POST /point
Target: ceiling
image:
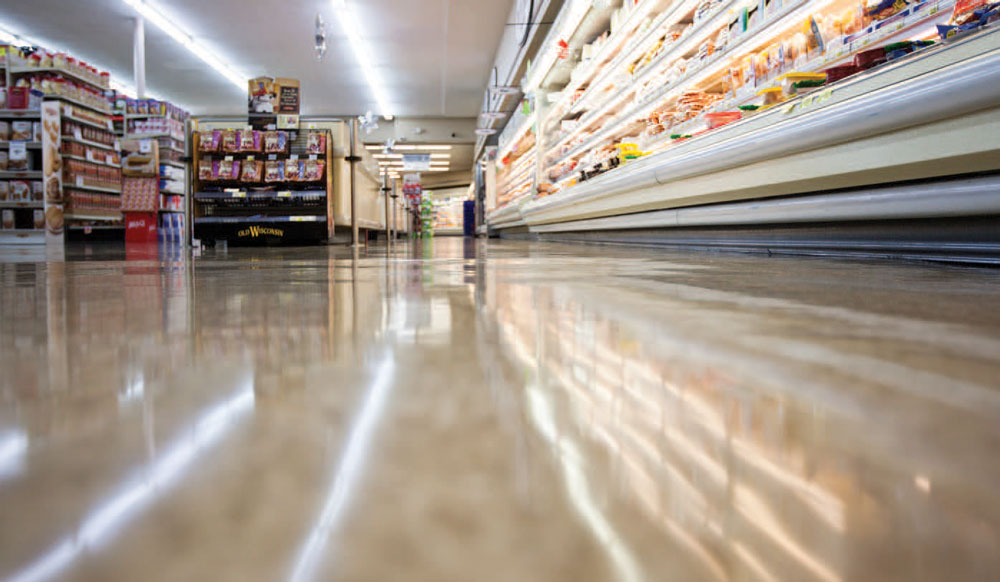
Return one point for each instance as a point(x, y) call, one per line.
point(434, 56)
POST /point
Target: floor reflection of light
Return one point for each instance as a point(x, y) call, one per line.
point(760, 571)
point(347, 471)
point(760, 516)
point(579, 489)
point(103, 521)
point(12, 450)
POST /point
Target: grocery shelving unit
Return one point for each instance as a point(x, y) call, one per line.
point(165, 124)
point(72, 159)
point(262, 212)
point(859, 132)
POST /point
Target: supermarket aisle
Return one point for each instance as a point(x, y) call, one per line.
point(503, 411)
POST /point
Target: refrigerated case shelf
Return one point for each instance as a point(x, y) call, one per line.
point(936, 103)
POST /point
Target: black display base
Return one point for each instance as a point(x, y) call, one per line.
point(262, 233)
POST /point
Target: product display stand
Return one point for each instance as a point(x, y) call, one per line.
point(263, 206)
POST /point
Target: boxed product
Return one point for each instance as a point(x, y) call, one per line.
point(252, 171)
point(274, 171)
point(249, 140)
point(139, 156)
point(3, 161)
point(4, 191)
point(20, 191)
point(209, 142)
point(275, 141)
point(37, 191)
point(292, 170)
point(312, 170)
point(230, 141)
point(228, 170)
point(4, 131)
point(8, 219)
point(36, 131)
point(316, 142)
point(39, 219)
point(205, 169)
point(20, 131)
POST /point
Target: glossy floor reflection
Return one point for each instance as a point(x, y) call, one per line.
point(496, 411)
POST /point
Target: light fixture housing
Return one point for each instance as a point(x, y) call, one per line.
point(361, 53)
point(152, 14)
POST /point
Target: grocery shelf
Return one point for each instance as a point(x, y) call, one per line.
point(598, 66)
point(697, 34)
point(173, 163)
point(31, 145)
point(171, 211)
point(522, 128)
point(22, 236)
point(260, 195)
point(29, 113)
point(776, 24)
point(22, 175)
point(83, 159)
point(257, 218)
point(29, 204)
point(150, 116)
point(95, 144)
point(51, 97)
point(82, 186)
point(89, 227)
point(673, 15)
point(104, 127)
point(58, 71)
point(153, 136)
point(579, 23)
point(93, 215)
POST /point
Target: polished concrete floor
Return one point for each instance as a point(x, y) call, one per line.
point(496, 411)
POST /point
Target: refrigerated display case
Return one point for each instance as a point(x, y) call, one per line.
point(678, 105)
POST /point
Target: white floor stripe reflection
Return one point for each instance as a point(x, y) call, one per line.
point(107, 518)
point(347, 472)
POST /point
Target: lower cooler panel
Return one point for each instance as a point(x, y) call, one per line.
point(963, 240)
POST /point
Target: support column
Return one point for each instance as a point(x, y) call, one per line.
point(139, 57)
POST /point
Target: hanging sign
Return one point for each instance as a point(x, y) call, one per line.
point(416, 162)
point(412, 187)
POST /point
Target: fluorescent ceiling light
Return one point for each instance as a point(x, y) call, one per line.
point(362, 55)
point(400, 156)
point(410, 147)
point(7, 36)
point(199, 50)
point(10, 37)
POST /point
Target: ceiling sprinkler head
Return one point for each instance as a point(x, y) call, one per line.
point(369, 122)
point(320, 38)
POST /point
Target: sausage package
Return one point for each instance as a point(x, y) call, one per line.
point(274, 171)
point(252, 171)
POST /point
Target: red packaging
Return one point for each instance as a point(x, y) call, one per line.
point(869, 58)
point(720, 118)
point(841, 71)
point(17, 97)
